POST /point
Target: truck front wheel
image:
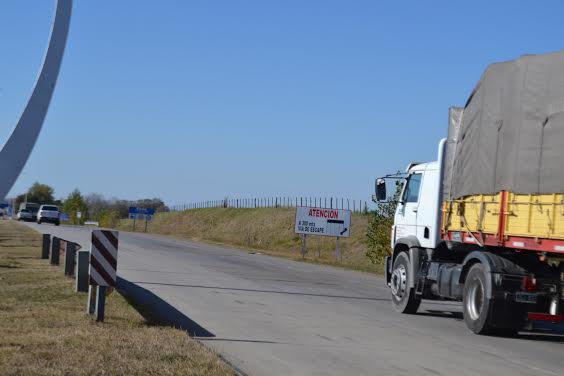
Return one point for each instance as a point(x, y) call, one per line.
point(403, 297)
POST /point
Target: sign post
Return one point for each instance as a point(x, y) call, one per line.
point(102, 271)
point(100, 303)
point(323, 222)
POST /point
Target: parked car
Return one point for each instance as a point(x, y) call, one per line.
point(32, 207)
point(49, 214)
point(25, 215)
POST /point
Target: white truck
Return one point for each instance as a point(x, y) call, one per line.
point(484, 224)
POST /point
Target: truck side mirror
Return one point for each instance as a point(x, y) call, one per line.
point(381, 190)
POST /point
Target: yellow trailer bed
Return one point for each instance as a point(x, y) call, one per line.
point(506, 219)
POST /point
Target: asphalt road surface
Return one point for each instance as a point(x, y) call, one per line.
point(270, 316)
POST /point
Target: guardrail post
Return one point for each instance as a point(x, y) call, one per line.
point(55, 249)
point(82, 271)
point(46, 245)
point(70, 253)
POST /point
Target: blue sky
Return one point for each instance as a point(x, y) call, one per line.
point(197, 100)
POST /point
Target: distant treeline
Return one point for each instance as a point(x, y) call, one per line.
point(93, 207)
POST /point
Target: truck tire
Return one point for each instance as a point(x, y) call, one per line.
point(403, 297)
point(475, 303)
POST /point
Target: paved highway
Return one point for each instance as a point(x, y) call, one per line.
point(269, 316)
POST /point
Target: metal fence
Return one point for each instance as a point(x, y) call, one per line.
point(278, 202)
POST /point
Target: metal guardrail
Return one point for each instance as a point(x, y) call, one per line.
point(77, 265)
point(75, 259)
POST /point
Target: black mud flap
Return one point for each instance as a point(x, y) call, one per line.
point(507, 314)
point(388, 269)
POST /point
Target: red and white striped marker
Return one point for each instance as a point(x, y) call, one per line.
point(103, 258)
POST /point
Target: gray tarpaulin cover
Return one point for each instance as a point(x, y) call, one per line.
point(510, 134)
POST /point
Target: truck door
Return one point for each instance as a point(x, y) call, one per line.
point(406, 214)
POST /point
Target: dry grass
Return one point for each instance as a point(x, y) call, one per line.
point(270, 230)
point(44, 330)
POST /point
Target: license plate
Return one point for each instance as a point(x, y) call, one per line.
point(525, 297)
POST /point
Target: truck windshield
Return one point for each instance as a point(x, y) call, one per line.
point(50, 208)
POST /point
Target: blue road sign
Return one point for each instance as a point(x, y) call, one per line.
point(145, 211)
point(141, 213)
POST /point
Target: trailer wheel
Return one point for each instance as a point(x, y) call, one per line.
point(403, 297)
point(476, 305)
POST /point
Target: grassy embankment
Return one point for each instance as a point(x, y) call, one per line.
point(44, 330)
point(269, 230)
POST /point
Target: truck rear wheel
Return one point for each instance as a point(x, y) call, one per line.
point(475, 301)
point(403, 297)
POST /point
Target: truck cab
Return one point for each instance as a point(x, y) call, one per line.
point(417, 213)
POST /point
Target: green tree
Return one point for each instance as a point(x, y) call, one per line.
point(379, 229)
point(109, 218)
point(73, 204)
point(37, 193)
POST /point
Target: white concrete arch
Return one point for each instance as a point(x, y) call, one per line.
point(19, 145)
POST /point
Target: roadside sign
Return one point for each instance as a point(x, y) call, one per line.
point(145, 214)
point(78, 214)
point(142, 214)
point(323, 222)
point(64, 217)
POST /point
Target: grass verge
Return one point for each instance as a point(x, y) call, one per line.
point(269, 230)
point(44, 330)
